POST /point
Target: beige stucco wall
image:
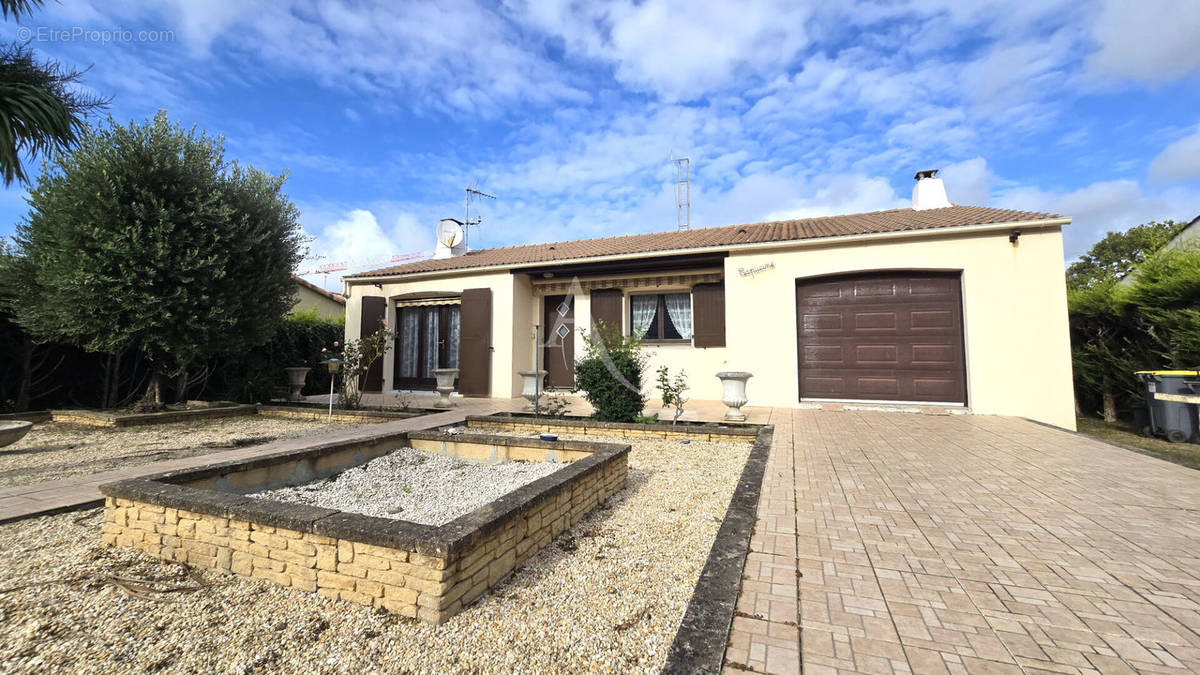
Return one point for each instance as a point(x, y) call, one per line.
point(309, 300)
point(1014, 304)
point(504, 382)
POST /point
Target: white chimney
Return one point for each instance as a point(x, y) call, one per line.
point(451, 240)
point(929, 192)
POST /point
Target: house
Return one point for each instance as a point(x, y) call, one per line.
point(1187, 238)
point(934, 304)
point(312, 298)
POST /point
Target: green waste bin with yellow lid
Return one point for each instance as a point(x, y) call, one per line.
point(1174, 420)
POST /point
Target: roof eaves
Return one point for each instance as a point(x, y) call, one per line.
point(785, 243)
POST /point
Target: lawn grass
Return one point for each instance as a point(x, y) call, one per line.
point(1187, 454)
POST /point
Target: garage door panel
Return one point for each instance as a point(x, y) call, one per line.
point(875, 321)
point(942, 356)
point(826, 322)
point(932, 319)
point(876, 356)
point(895, 336)
point(823, 356)
point(874, 289)
point(935, 389)
point(825, 387)
point(924, 288)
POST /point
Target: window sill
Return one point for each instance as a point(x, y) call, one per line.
point(667, 342)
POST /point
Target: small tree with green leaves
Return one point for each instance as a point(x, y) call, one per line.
point(357, 357)
point(610, 374)
point(1119, 253)
point(673, 390)
point(145, 238)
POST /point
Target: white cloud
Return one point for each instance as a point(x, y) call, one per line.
point(672, 48)
point(968, 183)
point(362, 237)
point(1101, 207)
point(1179, 161)
point(1152, 41)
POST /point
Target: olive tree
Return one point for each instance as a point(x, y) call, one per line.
point(144, 237)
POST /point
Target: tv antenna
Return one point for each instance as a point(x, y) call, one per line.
point(472, 193)
point(683, 192)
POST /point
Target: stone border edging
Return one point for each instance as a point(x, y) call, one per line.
point(117, 420)
point(35, 416)
point(340, 414)
point(747, 430)
point(700, 642)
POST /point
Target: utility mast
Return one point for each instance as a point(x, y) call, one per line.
point(683, 193)
point(467, 222)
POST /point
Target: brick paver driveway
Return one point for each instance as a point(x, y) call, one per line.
point(966, 544)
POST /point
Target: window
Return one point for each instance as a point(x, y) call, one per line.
point(661, 316)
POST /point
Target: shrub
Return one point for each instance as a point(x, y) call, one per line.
point(673, 389)
point(610, 375)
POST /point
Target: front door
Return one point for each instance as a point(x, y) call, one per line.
point(426, 339)
point(558, 336)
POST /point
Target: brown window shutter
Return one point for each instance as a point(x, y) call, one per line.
point(607, 305)
point(475, 342)
point(374, 308)
point(708, 312)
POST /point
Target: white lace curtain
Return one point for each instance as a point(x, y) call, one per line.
point(430, 357)
point(679, 308)
point(644, 307)
point(409, 322)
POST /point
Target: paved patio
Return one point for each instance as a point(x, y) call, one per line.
point(925, 544)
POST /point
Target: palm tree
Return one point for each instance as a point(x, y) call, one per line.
point(40, 111)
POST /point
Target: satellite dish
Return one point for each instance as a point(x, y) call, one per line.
point(449, 233)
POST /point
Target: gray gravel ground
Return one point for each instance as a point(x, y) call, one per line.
point(605, 597)
point(51, 450)
point(416, 486)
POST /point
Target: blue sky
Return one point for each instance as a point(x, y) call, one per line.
point(570, 112)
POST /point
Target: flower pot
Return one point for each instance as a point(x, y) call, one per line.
point(445, 385)
point(534, 386)
point(733, 394)
point(296, 375)
point(11, 432)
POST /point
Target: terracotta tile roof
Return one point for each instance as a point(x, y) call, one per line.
point(895, 220)
point(336, 297)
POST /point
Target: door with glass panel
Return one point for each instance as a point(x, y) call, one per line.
point(426, 340)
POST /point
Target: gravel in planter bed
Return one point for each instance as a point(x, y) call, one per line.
point(416, 486)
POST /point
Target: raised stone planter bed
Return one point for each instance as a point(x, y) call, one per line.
point(522, 423)
point(101, 418)
point(203, 517)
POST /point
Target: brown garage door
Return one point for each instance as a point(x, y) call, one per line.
point(894, 336)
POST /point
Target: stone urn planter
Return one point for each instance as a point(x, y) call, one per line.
point(296, 375)
point(445, 385)
point(534, 386)
point(733, 393)
point(11, 432)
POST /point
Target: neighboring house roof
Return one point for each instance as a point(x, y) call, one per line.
point(878, 222)
point(1188, 237)
point(336, 297)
